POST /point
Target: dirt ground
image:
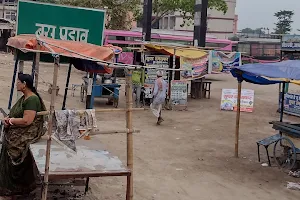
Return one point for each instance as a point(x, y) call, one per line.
point(188, 157)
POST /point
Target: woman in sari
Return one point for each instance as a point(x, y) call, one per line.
point(18, 171)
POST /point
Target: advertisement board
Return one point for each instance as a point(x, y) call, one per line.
point(229, 100)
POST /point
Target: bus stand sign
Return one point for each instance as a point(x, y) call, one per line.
point(61, 22)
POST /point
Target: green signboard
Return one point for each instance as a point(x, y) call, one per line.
point(61, 22)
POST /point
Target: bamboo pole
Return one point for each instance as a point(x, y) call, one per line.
point(97, 110)
point(238, 114)
point(112, 132)
point(129, 191)
point(50, 121)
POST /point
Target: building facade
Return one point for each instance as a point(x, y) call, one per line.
point(219, 24)
point(8, 9)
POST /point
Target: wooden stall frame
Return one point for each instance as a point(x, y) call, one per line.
point(129, 127)
point(238, 115)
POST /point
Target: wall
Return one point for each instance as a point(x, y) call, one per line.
point(219, 24)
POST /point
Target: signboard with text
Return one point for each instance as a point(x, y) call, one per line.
point(229, 100)
point(193, 68)
point(61, 22)
point(290, 43)
point(291, 104)
point(179, 92)
point(155, 61)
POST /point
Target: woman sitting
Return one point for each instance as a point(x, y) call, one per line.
point(18, 171)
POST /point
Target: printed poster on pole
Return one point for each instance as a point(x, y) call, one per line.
point(229, 100)
point(193, 68)
point(155, 61)
point(219, 62)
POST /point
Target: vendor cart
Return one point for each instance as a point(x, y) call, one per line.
point(287, 148)
point(287, 141)
point(101, 88)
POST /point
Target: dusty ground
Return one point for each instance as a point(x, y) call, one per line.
point(190, 156)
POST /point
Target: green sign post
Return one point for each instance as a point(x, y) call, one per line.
point(61, 22)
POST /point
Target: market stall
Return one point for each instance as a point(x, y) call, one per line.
point(72, 52)
point(191, 63)
point(266, 74)
point(290, 50)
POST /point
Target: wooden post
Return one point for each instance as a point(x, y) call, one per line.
point(37, 69)
point(50, 122)
point(129, 191)
point(238, 114)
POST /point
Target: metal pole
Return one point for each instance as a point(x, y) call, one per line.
point(282, 101)
point(67, 86)
point(147, 20)
point(13, 80)
point(200, 22)
point(203, 27)
point(21, 70)
point(33, 67)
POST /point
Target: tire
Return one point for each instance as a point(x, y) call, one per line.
point(288, 158)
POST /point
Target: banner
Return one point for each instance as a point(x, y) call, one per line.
point(179, 92)
point(291, 103)
point(193, 68)
point(229, 100)
point(221, 62)
point(156, 61)
point(290, 43)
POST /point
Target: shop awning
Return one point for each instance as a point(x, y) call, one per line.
point(269, 73)
point(181, 50)
point(83, 56)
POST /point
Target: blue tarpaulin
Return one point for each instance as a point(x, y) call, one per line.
point(265, 73)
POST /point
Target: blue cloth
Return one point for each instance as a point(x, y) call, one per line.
point(255, 73)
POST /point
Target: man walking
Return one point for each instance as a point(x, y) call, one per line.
point(159, 96)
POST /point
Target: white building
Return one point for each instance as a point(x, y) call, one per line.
point(218, 24)
point(8, 9)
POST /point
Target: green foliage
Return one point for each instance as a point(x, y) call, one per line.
point(283, 26)
point(117, 10)
point(253, 31)
point(162, 8)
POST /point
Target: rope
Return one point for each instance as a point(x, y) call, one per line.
point(109, 64)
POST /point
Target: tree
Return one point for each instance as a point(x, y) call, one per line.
point(117, 10)
point(259, 31)
point(162, 8)
point(247, 30)
point(283, 26)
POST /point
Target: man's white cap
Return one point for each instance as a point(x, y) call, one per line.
point(160, 73)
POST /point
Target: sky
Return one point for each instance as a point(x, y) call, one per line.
point(260, 13)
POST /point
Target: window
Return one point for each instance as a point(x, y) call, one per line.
point(244, 48)
point(172, 22)
point(9, 2)
point(10, 15)
point(219, 45)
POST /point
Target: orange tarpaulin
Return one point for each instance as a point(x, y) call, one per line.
point(72, 49)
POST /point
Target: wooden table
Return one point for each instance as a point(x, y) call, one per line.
point(89, 161)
